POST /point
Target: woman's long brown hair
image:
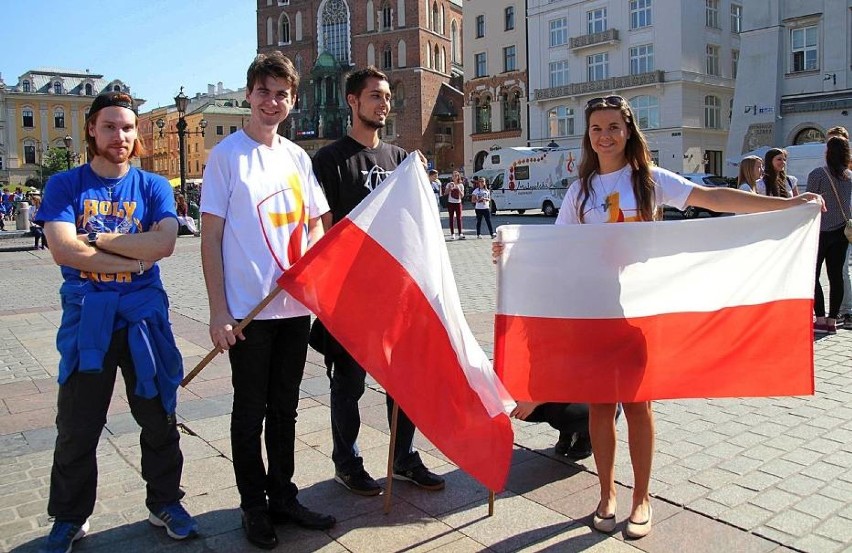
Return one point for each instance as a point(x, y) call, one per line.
point(638, 157)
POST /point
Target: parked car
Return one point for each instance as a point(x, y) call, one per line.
point(704, 179)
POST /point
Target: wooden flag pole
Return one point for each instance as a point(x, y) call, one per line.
point(239, 328)
point(391, 446)
point(490, 503)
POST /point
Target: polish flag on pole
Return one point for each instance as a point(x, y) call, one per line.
point(719, 307)
point(381, 283)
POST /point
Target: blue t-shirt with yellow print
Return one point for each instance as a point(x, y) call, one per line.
point(125, 205)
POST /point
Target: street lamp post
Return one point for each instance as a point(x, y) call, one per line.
point(68, 141)
point(181, 102)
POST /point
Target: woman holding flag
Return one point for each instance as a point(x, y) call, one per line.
point(618, 183)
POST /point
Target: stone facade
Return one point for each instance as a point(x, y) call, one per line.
point(411, 44)
point(792, 92)
point(42, 108)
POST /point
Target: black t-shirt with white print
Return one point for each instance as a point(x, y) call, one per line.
point(348, 171)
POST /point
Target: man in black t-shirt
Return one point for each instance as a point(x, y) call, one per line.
point(348, 170)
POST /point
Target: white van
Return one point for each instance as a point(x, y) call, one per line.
point(530, 178)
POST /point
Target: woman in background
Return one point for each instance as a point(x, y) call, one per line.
point(751, 171)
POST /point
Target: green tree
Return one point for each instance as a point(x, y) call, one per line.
point(54, 161)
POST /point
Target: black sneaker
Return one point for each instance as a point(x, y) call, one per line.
point(295, 512)
point(258, 527)
point(581, 447)
point(563, 444)
point(359, 482)
point(421, 476)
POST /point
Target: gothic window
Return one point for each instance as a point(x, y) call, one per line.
point(334, 29)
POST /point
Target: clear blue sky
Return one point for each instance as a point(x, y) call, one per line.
point(154, 46)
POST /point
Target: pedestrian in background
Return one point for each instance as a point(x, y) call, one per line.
point(833, 182)
point(455, 193)
point(751, 171)
point(844, 318)
point(776, 181)
point(481, 197)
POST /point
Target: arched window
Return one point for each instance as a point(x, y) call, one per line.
point(401, 54)
point(27, 118)
point(436, 59)
point(116, 88)
point(808, 136)
point(297, 63)
point(29, 152)
point(387, 57)
point(386, 16)
point(429, 54)
point(25, 86)
point(333, 26)
point(371, 54)
point(398, 95)
point(429, 16)
point(441, 21)
point(89, 89)
point(298, 26)
point(57, 87)
point(436, 17)
point(454, 42)
point(443, 59)
point(712, 112)
point(560, 122)
point(400, 13)
point(511, 110)
point(270, 30)
point(482, 121)
point(59, 118)
point(283, 29)
point(647, 111)
point(371, 16)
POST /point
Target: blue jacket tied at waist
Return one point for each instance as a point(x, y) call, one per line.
point(89, 318)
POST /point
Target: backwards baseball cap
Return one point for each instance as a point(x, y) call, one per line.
point(107, 99)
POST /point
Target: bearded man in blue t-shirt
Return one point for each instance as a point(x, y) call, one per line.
point(108, 224)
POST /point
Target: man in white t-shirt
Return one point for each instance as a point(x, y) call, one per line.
point(261, 208)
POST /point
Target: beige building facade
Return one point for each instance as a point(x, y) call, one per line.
point(495, 89)
point(39, 110)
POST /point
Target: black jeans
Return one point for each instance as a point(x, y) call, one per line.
point(347, 386)
point(832, 250)
point(82, 407)
point(266, 371)
point(567, 418)
point(486, 214)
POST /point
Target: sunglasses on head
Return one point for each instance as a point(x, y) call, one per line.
point(613, 101)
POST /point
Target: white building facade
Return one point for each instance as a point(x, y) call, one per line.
point(795, 77)
point(495, 67)
point(675, 61)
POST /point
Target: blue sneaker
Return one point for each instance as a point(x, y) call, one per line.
point(179, 525)
point(62, 537)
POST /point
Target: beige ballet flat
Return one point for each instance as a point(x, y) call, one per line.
point(636, 530)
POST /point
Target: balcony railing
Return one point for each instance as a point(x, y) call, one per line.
point(608, 36)
point(613, 83)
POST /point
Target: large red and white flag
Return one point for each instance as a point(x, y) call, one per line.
point(718, 307)
point(381, 283)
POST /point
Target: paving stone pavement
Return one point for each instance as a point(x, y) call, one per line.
point(751, 474)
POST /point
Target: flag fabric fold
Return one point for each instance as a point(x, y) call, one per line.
point(718, 307)
point(381, 283)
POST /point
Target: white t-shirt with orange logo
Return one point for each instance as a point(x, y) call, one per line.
point(613, 200)
point(266, 196)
